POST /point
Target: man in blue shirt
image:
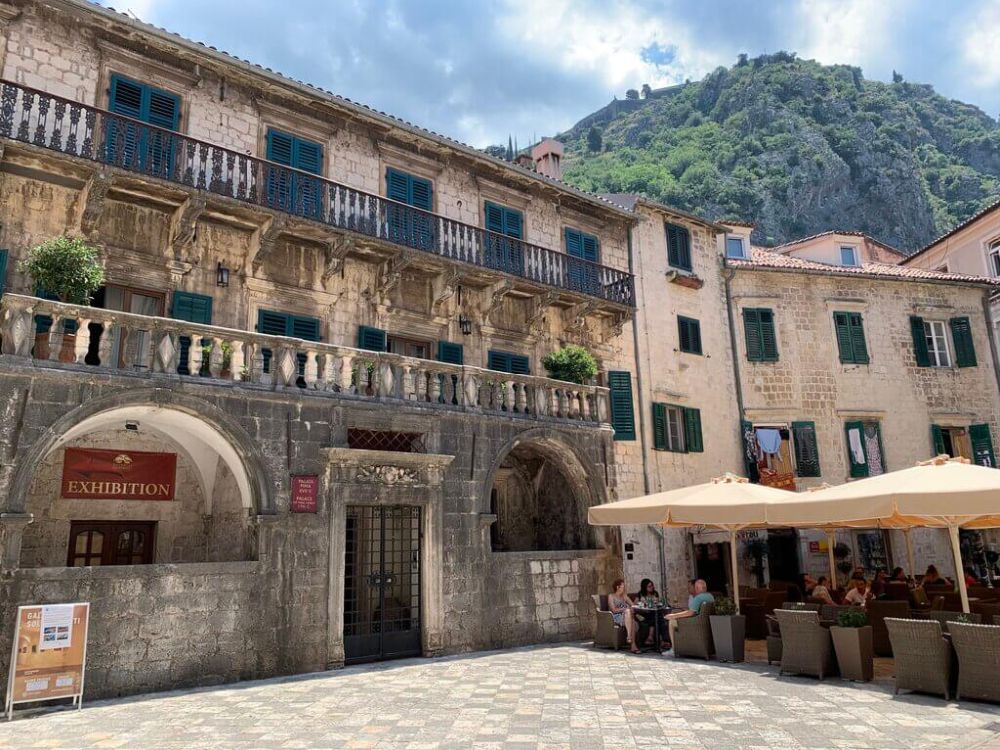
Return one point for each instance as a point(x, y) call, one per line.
point(699, 597)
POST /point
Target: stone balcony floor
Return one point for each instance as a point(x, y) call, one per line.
point(562, 697)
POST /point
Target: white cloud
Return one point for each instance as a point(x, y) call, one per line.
point(853, 32)
point(979, 44)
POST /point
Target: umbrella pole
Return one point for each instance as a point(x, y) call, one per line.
point(736, 574)
point(830, 542)
point(909, 551)
point(956, 551)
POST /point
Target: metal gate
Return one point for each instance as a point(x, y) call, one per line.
point(382, 582)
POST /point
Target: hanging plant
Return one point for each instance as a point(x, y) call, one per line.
point(841, 551)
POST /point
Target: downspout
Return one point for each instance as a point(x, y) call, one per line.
point(728, 273)
point(646, 483)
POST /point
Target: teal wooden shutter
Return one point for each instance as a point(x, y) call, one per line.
point(751, 329)
point(513, 223)
point(659, 427)
point(421, 193)
point(574, 242)
point(162, 109)
point(273, 324)
point(372, 339)
point(678, 247)
point(845, 344)
point(961, 334)
point(806, 449)
point(692, 431)
point(499, 361)
point(3, 270)
point(920, 352)
point(194, 308)
point(126, 97)
point(397, 185)
point(622, 412)
point(768, 337)
point(280, 147)
point(519, 365)
point(689, 335)
point(494, 217)
point(860, 346)
point(308, 156)
point(451, 353)
point(857, 468)
point(301, 327)
point(937, 440)
point(982, 445)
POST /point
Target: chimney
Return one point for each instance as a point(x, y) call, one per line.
point(523, 160)
point(548, 158)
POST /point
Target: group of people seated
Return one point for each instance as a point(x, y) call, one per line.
point(637, 612)
point(859, 590)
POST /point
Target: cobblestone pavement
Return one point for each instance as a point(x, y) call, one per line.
point(555, 697)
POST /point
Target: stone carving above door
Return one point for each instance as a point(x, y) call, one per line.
point(387, 475)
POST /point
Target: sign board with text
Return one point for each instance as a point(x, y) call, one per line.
point(305, 490)
point(101, 474)
point(49, 654)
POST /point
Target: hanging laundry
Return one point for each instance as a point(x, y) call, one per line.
point(857, 449)
point(769, 440)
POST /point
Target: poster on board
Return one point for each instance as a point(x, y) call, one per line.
point(49, 654)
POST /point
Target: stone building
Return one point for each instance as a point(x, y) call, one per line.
point(324, 327)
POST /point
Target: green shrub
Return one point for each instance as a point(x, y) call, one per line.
point(724, 606)
point(855, 617)
point(571, 363)
point(66, 267)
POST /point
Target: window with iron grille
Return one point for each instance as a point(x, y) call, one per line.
point(386, 440)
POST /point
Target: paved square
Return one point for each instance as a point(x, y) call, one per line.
point(553, 697)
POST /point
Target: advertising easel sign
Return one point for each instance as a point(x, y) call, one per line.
point(49, 654)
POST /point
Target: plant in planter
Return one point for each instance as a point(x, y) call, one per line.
point(572, 363)
point(852, 641)
point(728, 630)
point(66, 269)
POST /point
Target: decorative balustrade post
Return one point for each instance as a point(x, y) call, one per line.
point(81, 347)
point(386, 379)
point(55, 336)
point(520, 398)
point(311, 371)
point(237, 363)
point(217, 356)
point(256, 359)
point(563, 411)
point(166, 348)
point(18, 330)
point(574, 404)
point(108, 329)
point(541, 400)
point(407, 384)
point(508, 395)
point(602, 406)
point(470, 384)
point(287, 369)
point(433, 388)
point(347, 374)
point(196, 354)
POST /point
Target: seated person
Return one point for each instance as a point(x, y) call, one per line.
point(878, 583)
point(648, 595)
point(970, 577)
point(858, 595)
point(898, 575)
point(699, 598)
point(646, 598)
point(933, 579)
point(822, 591)
point(620, 607)
point(807, 584)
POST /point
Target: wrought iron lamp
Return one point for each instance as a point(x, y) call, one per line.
point(221, 275)
point(464, 325)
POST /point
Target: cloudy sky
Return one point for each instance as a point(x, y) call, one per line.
point(481, 69)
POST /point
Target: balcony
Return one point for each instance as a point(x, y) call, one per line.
point(108, 341)
point(51, 122)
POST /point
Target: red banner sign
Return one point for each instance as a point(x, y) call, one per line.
point(304, 492)
point(99, 474)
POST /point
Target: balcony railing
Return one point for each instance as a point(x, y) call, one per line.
point(112, 341)
point(69, 127)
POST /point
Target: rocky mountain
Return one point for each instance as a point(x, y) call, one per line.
point(797, 147)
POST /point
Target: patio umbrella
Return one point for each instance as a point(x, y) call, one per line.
point(943, 493)
point(728, 502)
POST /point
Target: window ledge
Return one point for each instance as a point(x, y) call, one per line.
point(684, 278)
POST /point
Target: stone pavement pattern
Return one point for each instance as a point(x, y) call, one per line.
point(556, 697)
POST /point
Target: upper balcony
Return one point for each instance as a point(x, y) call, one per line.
point(96, 135)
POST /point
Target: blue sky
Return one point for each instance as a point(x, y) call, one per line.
point(479, 70)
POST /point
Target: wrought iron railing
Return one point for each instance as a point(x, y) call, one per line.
point(32, 116)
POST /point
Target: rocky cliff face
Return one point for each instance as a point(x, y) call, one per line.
point(799, 148)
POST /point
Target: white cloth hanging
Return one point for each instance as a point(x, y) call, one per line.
point(857, 449)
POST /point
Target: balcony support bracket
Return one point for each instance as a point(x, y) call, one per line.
point(334, 254)
point(265, 238)
point(445, 287)
point(541, 306)
point(390, 276)
point(576, 317)
point(184, 224)
point(91, 201)
point(497, 294)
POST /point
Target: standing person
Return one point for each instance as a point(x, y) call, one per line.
point(620, 607)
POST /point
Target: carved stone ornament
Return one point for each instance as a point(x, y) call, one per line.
point(387, 475)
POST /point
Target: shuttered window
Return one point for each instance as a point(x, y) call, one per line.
point(583, 277)
point(761, 341)
point(937, 440)
point(516, 364)
point(451, 353)
point(678, 247)
point(961, 336)
point(865, 454)
point(502, 223)
point(194, 308)
point(920, 352)
point(274, 323)
point(692, 430)
point(133, 146)
point(3, 270)
point(409, 189)
point(677, 429)
point(806, 449)
point(850, 332)
point(372, 339)
point(411, 228)
point(622, 410)
point(291, 191)
point(689, 335)
point(982, 445)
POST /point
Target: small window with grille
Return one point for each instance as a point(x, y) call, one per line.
point(386, 440)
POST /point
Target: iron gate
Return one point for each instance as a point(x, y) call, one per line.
point(382, 582)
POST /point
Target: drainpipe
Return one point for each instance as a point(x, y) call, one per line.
point(639, 381)
point(727, 276)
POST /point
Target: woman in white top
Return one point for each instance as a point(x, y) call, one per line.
point(857, 595)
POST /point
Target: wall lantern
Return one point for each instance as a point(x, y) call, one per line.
point(465, 325)
point(221, 275)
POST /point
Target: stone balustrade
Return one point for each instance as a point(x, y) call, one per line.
point(108, 340)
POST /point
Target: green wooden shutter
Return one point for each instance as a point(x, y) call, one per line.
point(806, 449)
point(3, 270)
point(308, 156)
point(302, 327)
point(842, 326)
point(937, 440)
point(397, 185)
point(692, 431)
point(961, 334)
point(689, 335)
point(768, 337)
point(622, 413)
point(499, 361)
point(372, 339)
point(519, 365)
point(751, 330)
point(280, 147)
point(162, 109)
point(272, 323)
point(421, 193)
point(860, 345)
point(659, 427)
point(194, 308)
point(451, 353)
point(920, 352)
point(982, 445)
point(574, 242)
point(494, 217)
point(126, 97)
point(857, 469)
point(678, 247)
point(513, 223)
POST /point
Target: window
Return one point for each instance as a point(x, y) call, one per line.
point(936, 337)
point(735, 248)
point(961, 336)
point(849, 256)
point(676, 429)
point(806, 449)
point(372, 339)
point(408, 347)
point(502, 253)
point(761, 341)
point(516, 364)
point(930, 342)
point(994, 257)
point(982, 445)
point(133, 146)
point(850, 333)
point(767, 454)
point(951, 441)
point(194, 308)
point(689, 335)
point(622, 412)
point(94, 543)
point(678, 247)
point(291, 191)
point(404, 226)
point(583, 277)
point(864, 449)
point(275, 323)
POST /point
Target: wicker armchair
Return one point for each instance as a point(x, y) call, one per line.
point(988, 610)
point(693, 635)
point(607, 635)
point(757, 612)
point(830, 612)
point(806, 646)
point(774, 648)
point(978, 649)
point(878, 610)
point(922, 655)
point(802, 606)
point(945, 618)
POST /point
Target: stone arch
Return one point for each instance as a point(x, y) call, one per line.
point(169, 412)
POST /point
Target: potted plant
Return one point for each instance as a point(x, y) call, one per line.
point(852, 640)
point(66, 269)
point(572, 363)
point(728, 630)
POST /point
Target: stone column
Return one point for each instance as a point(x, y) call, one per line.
point(12, 527)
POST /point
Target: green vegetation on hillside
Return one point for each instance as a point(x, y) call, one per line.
point(799, 148)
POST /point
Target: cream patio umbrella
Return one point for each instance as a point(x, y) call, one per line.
point(940, 493)
point(728, 502)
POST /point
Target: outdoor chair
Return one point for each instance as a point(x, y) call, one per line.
point(757, 612)
point(878, 610)
point(773, 640)
point(984, 593)
point(946, 618)
point(830, 612)
point(897, 591)
point(693, 635)
point(921, 654)
point(978, 649)
point(802, 606)
point(987, 609)
point(952, 600)
point(806, 646)
point(607, 634)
